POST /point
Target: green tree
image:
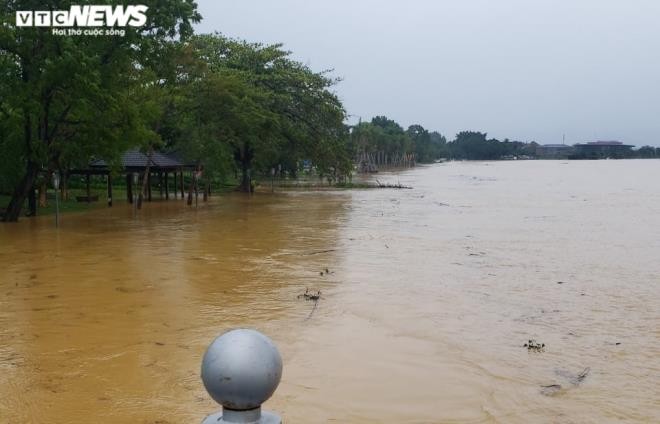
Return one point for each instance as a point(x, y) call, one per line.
point(422, 143)
point(278, 110)
point(439, 147)
point(428, 146)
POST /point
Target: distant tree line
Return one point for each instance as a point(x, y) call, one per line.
point(383, 136)
point(647, 152)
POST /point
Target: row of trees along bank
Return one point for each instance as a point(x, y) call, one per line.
point(228, 104)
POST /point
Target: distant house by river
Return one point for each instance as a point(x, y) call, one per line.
point(554, 151)
point(588, 150)
point(602, 150)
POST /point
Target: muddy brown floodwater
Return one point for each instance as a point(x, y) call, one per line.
point(431, 295)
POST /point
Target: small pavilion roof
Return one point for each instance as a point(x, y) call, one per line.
point(136, 159)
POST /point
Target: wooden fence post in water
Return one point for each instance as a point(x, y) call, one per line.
point(241, 370)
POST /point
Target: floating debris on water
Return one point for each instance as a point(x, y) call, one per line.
point(533, 345)
point(580, 377)
point(313, 298)
point(309, 296)
point(551, 389)
point(397, 185)
point(319, 252)
point(573, 379)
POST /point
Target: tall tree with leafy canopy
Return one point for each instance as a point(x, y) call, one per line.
point(278, 112)
point(68, 97)
point(421, 140)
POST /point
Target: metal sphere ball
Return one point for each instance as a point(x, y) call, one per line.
point(241, 369)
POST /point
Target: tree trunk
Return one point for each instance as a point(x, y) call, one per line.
point(32, 202)
point(145, 181)
point(21, 191)
point(64, 186)
point(246, 179)
point(43, 188)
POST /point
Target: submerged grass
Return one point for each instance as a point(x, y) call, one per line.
point(343, 186)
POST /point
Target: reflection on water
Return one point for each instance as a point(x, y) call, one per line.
point(431, 295)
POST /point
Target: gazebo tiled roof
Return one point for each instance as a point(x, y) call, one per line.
point(136, 159)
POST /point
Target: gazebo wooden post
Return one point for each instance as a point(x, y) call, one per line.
point(183, 193)
point(160, 183)
point(149, 187)
point(167, 186)
point(175, 186)
point(89, 193)
point(109, 190)
point(129, 187)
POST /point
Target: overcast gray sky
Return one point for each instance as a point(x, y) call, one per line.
point(522, 69)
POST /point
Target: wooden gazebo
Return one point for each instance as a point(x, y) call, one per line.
point(157, 164)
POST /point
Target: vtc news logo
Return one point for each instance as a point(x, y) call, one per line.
point(85, 16)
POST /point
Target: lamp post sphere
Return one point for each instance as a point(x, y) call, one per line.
point(241, 369)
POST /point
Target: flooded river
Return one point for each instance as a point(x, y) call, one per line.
point(431, 294)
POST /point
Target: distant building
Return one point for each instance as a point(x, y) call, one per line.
point(602, 150)
point(554, 151)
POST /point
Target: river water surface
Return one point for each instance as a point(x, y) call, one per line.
point(431, 294)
